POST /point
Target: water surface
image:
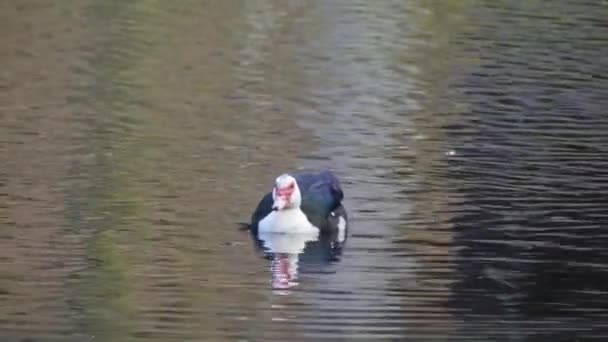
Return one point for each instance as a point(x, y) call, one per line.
point(470, 137)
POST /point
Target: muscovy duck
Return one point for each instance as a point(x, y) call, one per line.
point(301, 203)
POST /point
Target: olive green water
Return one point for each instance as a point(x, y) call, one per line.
point(471, 138)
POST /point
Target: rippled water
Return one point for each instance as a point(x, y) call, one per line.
point(471, 139)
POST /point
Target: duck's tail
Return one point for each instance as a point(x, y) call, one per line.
point(244, 226)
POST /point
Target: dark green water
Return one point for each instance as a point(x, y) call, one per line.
point(471, 138)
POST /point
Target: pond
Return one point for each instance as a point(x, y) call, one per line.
point(470, 137)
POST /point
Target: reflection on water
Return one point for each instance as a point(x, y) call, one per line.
point(288, 251)
point(470, 139)
point(284, 251)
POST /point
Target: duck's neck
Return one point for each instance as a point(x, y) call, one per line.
point(290, 211)
point(292, 216)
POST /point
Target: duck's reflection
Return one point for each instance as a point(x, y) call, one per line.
point(287, 251)
point(284, 251)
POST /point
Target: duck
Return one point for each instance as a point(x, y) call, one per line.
point(302, 202)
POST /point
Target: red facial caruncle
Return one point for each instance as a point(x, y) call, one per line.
point(285, 193)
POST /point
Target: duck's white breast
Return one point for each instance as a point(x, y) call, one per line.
point(286, 221)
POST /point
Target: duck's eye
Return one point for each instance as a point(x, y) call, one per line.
point(292, 185)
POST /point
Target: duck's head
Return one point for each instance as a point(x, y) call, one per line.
point(286, 193)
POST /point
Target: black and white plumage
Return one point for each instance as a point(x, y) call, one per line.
point(301, 219)
point(302, 202)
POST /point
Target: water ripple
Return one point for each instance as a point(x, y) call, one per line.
point(469, 137)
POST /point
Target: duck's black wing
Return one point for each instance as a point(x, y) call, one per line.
point(321, 195)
